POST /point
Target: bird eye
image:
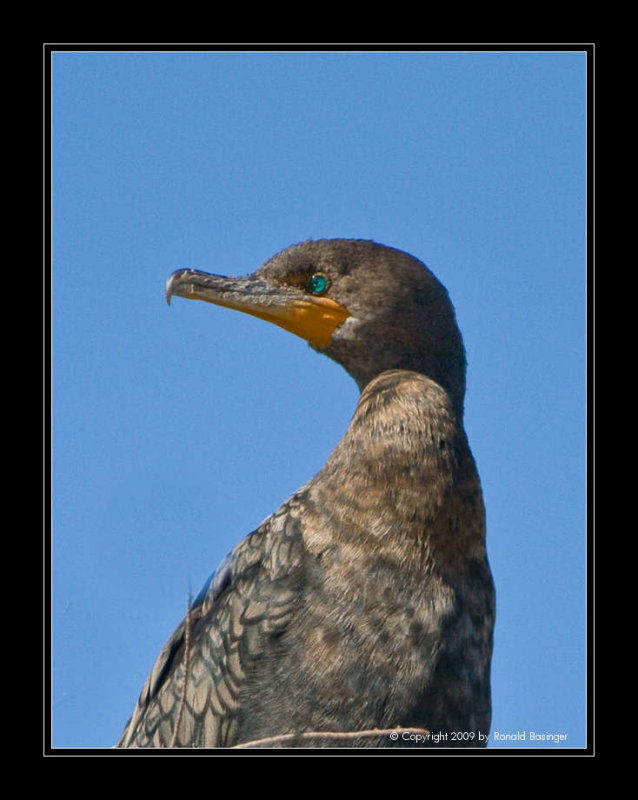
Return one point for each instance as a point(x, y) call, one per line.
point(317, 284)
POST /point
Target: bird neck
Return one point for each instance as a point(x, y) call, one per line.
point(391, 340)
point(439, 372)
point(394, 477)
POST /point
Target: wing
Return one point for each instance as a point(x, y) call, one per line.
point(193, 696)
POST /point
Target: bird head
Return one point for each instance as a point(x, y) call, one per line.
point(367, 306)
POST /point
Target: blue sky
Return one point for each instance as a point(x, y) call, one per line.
point(176, 431)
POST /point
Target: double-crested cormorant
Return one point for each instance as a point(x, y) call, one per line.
point(366, 600)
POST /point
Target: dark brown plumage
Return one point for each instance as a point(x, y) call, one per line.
point(366, 601)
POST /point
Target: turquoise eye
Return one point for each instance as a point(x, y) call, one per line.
point(317, 284)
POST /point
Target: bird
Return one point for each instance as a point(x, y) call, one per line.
point(365, 603)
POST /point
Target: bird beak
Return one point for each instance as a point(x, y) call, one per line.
point(315, 319)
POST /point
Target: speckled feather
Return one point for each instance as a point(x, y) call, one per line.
point(366, 601)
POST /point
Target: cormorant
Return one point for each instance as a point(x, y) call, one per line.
point(366, 600)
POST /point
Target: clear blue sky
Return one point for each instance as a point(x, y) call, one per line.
point(177, 430)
